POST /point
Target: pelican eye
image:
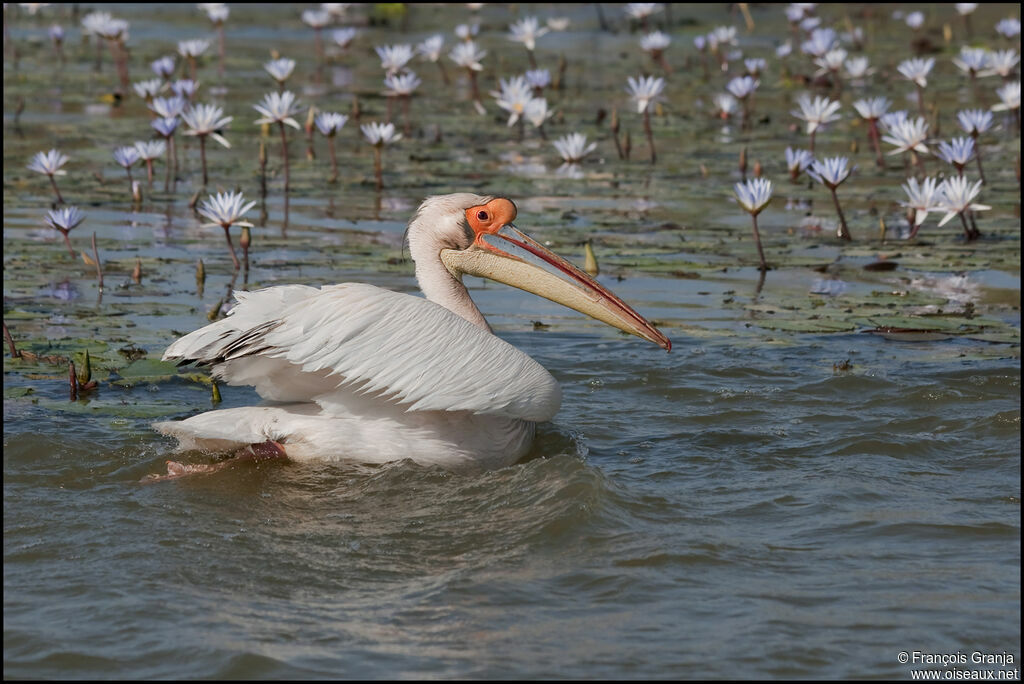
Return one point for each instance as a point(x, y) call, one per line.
point(482, 215)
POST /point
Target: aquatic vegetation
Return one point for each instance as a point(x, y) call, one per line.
point(49, 164)
point(278, 108)
point(468, 56)
point(226, 209)
point(655, 44)
point(909, 135)
point(645, 90)
point(280, 69)
point(329, 123)
point(958, 152)
point(871, 110)
point(754, 195)
point(816, 113)
point(148, 151)
point(64, 220)
point(574, 147)
point(797, 161)
point(127, 157)
point(431, 50)
point(402, 86)
point(916, 70)
point(832, 172)
point(922, 199)
point(975, 122)
point(526, 31)
point(956, 196)
point(206, 120)
point(379, 135)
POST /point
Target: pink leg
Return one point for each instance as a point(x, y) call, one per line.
point(254, 452)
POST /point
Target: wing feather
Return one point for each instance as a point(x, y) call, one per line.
point(328, 345)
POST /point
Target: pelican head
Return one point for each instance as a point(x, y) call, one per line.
point(463, 233)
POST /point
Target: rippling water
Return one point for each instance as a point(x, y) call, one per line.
point(688, 515)
point(760, 503)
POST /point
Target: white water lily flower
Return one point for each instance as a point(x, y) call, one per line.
point(336, 9)
point(965, 8)
point(466, 31)
point(858, 68)
point(1010, 96)
point(150, 149)
point(908, 134)
point(126, 156)
point(1002, 62)
point(655, 42)
point(915, 20)
point(798, 160)
point(742, 86)
point(538, 78)
point(278, 108)
point(831, 61)
point(165, 126)
point(185, 87)
point(641, 10)
point(891, 120)
point(784, 50)
point(810, 23)
point(468, 55)
point(401, 84)
point(280, 69)
point(431, 47)
point(971, 61)
point(754, 195)
point(816, 112)
point(754, 66)
point(574, 147)
point(974, 121)
point(537, 111)
point(192, 48)
point(922, 198)
point(102, 24)
point(957, 151)
point(830, 172)
point(722, 35)
point(344, 36)
point(316, 18)
point(225, 209)
point(148, 89)
point(217, 12)
point(65, 218)
point(644, 90)
point(917, 70)
point(379, 134)
point(558, 23)
point(821, 41)
point(48, 163)
point(163, 67)
point(329, 123)
point(957, 195)
point(167, 107)
point(513, 96)
point(393, 58)
point(725, 104)
point(526, 31)
point(1008, 28)
point(872, 108)
point(205, 119)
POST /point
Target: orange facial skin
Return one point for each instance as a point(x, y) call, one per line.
point(489, 218)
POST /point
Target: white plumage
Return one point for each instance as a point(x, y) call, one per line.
point(356, 372)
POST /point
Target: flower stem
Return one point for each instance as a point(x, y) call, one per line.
point(757, 241)
point(844, 232)
point(967, 231)
point(873, 134)
point(334, 160)
point(284, 156)
point(650, 135)
point(202, 155)
point(977, 156)
point(227, 236)
point(67, 241)
point(54, 184)
point(444, 72)
point(377, 167)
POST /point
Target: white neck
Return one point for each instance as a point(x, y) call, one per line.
point(429, 233)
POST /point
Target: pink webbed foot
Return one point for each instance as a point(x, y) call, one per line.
point(254, 452)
